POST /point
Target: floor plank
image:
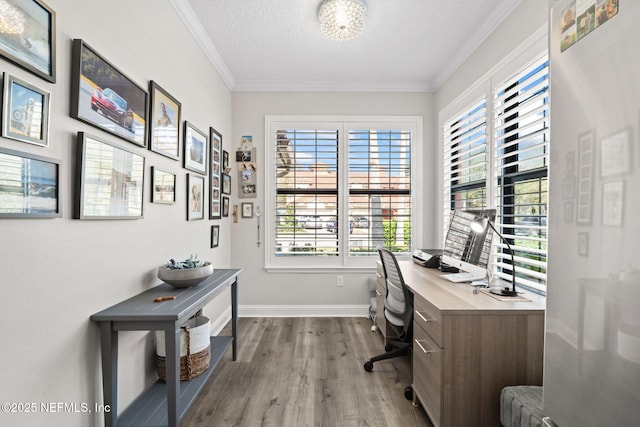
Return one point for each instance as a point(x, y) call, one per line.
point(306, 372)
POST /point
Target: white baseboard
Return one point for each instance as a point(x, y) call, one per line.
point(289, 311)
point(304, 311)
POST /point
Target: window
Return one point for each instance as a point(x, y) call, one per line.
point(465, 160)
point(521, 160)
point(338, 189)
point(496, 156)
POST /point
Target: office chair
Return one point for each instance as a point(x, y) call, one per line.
point(398, 311)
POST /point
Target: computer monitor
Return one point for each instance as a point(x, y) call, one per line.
point(465, 249)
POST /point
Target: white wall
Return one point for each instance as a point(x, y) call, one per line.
point(308, 291)
point(57, 272)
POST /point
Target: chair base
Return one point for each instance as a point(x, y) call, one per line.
point(398, 348)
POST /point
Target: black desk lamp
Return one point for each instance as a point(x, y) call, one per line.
point(479, 225)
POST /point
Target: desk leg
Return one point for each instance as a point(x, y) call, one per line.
point(234, 317)
point(109, 353)
point(172, 351)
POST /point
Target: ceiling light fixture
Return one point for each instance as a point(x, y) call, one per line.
point(342, 19)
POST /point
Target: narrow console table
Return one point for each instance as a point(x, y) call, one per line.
point(164, 404)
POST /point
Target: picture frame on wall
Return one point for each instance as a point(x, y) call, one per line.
point(225, 206)
point(226, 184)
point(586, 159)
point(215, 236)
point(247, 210)
point(109, 180)
point(25, 112)
point(35, 186)
point(195, 149)
point(215, 149)
point(195, 197)
point(612, 203)
point(164, 122)
point(615, 154)
point(163, 187)
point(29, 39)
point(104, 97)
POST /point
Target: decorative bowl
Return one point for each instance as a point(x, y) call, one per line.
point(185, 277)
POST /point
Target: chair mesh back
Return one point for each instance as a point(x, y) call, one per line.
point(398, 298)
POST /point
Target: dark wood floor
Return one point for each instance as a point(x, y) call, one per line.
point(306, 372)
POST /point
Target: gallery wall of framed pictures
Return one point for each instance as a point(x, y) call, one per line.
point(139, 125)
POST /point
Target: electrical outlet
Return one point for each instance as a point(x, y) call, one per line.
point(339, 281)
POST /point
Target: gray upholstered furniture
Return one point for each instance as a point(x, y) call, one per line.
point(521, 406)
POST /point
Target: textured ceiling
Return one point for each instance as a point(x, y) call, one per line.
point(411, 45)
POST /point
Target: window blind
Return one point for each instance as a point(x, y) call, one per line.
point(379, 191)
point(520, 164)
point(306, 192)
point(465, 160)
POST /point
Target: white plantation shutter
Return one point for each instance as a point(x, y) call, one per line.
point(379, 191)
point(520, 164)
point(465, 160)
point(338, 187)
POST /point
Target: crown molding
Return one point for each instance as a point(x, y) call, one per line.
point(500, 13)
point(194, 26)
point(330, 86)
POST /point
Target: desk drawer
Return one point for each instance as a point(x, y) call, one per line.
point(427, 317)
point(427, 374)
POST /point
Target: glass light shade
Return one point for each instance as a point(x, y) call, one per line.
point(342, 19)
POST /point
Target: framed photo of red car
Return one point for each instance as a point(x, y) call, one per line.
point(195, 149)
point(25, 113)
point(164, 122)
point(102, 96)
point(28, 36)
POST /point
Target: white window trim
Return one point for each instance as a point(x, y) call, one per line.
point(343, 262)
point(526, 53)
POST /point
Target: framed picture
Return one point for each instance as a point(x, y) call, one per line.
point(612, 203)
point(163, 187)
point(226, 184)
point(164, 122)
point(583, 244)
point(28, 36)
point(195, 205)
point(615, 154)
point(225, 206)
point(195, 149)
point(247, 210)
point(25, 112)
point(215, 236)
point(109, 180)
point(586, 158)
point(102, 96)
point(225, 162)
point(30, 186)
point(215, 147)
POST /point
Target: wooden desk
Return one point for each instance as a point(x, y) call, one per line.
point(468, 346)
point(163, 404)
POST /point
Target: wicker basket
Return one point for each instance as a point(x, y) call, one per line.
point(195, 352)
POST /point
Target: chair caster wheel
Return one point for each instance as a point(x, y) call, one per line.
point(388, 347)
point(408, 393)
point(368, 366)
point(374, 328)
